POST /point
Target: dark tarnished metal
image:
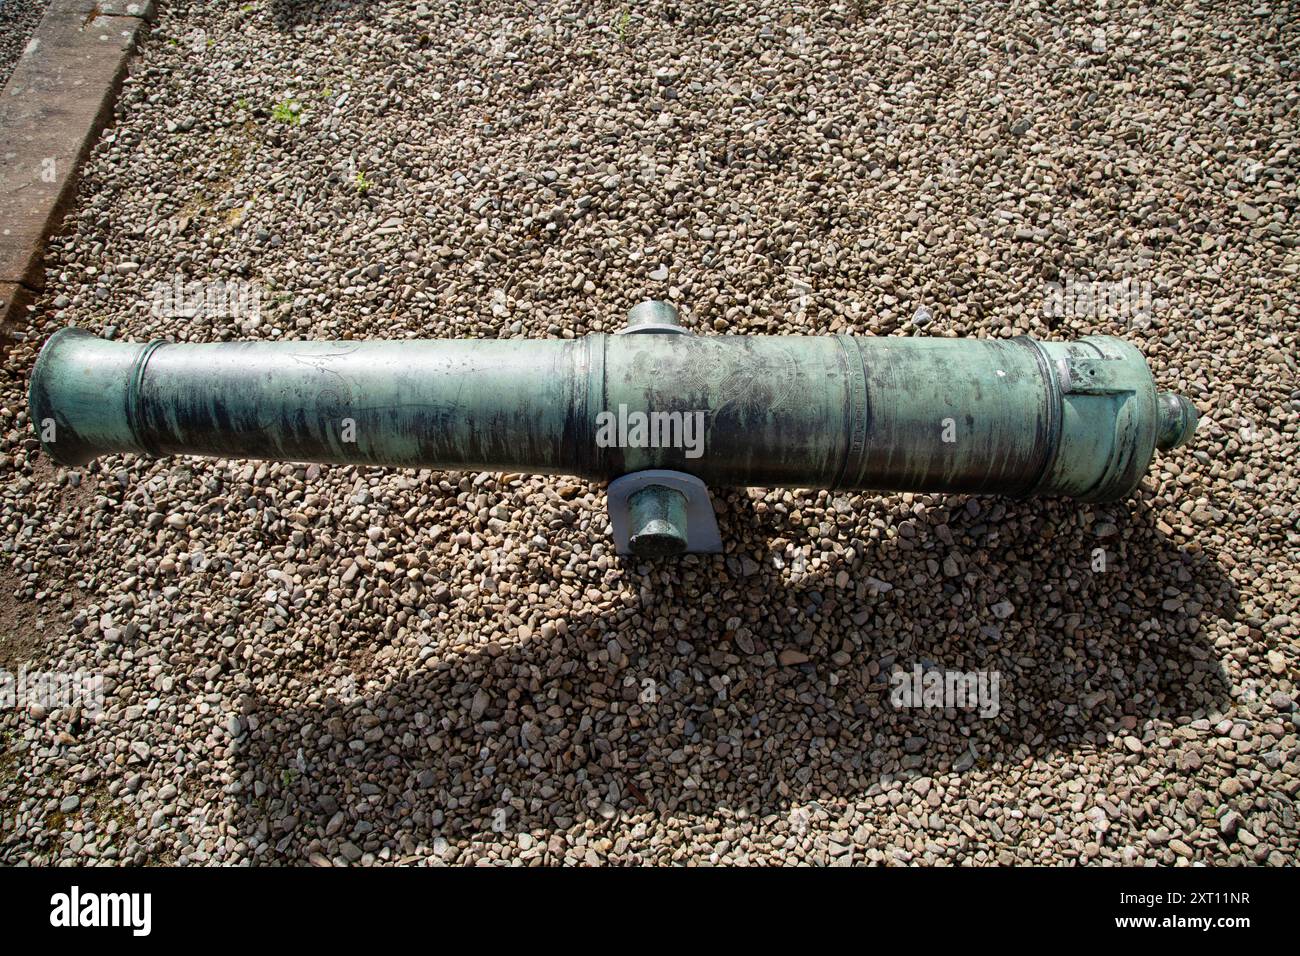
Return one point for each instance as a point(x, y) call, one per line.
point(1016, 417)
point(689, 516)
point(657, 517)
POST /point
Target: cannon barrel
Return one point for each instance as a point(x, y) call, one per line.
point(1006, 416)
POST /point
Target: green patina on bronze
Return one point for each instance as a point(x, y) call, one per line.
point(657, 517)
point(1014, 417)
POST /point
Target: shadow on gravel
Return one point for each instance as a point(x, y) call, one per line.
point(561, 734)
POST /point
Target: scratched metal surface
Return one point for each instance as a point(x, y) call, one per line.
point(926, 414)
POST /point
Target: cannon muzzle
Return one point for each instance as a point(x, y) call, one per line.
point(1006, 416)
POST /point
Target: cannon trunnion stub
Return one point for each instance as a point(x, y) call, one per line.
point(1001, 416)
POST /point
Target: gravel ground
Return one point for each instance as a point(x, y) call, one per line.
point(347, 665)
point(18, 19)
